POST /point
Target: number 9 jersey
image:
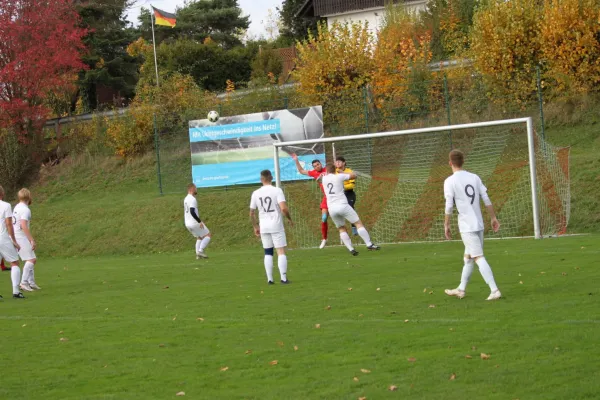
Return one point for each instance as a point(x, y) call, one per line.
point(465, 189)
point(267, 200)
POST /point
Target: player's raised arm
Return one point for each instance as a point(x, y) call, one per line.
point(489, 206)
point(298, 165)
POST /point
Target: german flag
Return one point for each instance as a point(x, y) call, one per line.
point(164, 18)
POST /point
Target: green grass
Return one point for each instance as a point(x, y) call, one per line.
point(131, 337)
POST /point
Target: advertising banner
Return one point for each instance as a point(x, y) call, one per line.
point(233, 150)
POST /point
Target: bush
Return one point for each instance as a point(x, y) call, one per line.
point(505, 46)
point(570, 44)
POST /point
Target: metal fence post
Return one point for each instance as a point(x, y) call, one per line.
point(157, 147)
point(447, 101)
point(540, 100)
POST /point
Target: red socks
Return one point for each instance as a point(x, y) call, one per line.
point(324, 230)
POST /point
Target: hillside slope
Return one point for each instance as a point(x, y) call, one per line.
point(102, 205)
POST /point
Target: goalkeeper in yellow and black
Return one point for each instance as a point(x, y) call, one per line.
point(349, 185)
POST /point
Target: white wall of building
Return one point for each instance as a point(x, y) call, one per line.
point(374, 16)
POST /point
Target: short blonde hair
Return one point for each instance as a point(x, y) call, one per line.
point(25, 195)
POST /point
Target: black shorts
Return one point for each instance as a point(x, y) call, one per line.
point(351, 197)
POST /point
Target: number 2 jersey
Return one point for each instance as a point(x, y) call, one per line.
point(465, 189)
point(266, 200)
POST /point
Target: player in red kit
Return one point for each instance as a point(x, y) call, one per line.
point(316, 173)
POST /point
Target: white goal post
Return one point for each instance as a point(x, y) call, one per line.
point(421, 152)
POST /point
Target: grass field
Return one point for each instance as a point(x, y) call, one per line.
point(134, 329)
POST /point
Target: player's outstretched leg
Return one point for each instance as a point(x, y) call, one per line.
point(324, 229)
point(282, 265)
point(269, 265)
point(364, 235)
point(464, 279)
point(488, 276)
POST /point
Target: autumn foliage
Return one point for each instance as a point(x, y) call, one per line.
point(40, 47)
point(570, 43)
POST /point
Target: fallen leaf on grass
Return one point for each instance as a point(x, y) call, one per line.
point(295, 348)
point(451, 329)
point(166, 287)
point(23, 326)
point(412, 359)
point(355, 379)
point(365, 371)
point(468, 357)
point(60, 332)
point(64, 339)
point(425, 290)
point(393, 388)
point(361, 315)
point(349, 289)
point(223, 369)
point(519, 274)
point(576, 267)
point(431, 292)
point(362, 398)
point(473, 348)
point(542, 272)
point(328, 308)
point(378, 289)
point(564, 274)
point(405, 321)
point(174, 318)
point(317, 326)
point(180, 394)
point(452, 377)
point(520, 282)
point(274, 362)
point(161, 345)
point(432, 306)
point(485, 356)
point(280, 344)
point(248, 352)
point(200, 319)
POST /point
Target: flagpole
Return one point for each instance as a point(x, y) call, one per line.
point(154, 45)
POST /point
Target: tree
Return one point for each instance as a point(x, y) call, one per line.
point(40, 47)
point(108, 63)
point(221, 20)
point(570, 41)
point(295, 28)
point(267, 65)
point(209, 64)
point(450, 22)
point(505, 46)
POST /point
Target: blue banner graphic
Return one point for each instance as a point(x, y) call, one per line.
point(234, 150)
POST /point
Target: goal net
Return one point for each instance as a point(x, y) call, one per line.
point(399, 188)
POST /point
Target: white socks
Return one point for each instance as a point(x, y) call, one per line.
point(487, 274)
point(198, 244)
point(15, 276)
point(282, 264)
point(27, 276)
point(346, 240)
point(364, 236)
point(269, 267)
point(204, 243)
point(466, 273)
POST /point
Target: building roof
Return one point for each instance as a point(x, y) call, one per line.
point(318, 8)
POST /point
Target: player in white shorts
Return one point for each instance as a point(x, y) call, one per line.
point(340, 210)
point(21, 221)
point(8, 245)
point(270, 202)
point(193, 223)
point(465, 190)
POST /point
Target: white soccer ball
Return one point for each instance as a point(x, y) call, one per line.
point(213, 116)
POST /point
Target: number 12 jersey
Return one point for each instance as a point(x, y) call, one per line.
point(465, 189)
point(266, 200)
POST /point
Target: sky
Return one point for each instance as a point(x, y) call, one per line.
point(257, 9)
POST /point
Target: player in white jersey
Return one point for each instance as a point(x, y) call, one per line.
point(193, 223)
point(8, 245)
point(465, 190)
point(270, 202)
point(21, 221)
point(340, 210)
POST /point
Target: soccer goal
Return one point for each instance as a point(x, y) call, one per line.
point(400, 180)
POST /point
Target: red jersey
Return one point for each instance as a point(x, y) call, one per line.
point(316, 175)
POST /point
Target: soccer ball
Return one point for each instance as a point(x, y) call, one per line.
point(213, 116)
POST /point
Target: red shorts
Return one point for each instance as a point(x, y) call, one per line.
point(324, 203)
